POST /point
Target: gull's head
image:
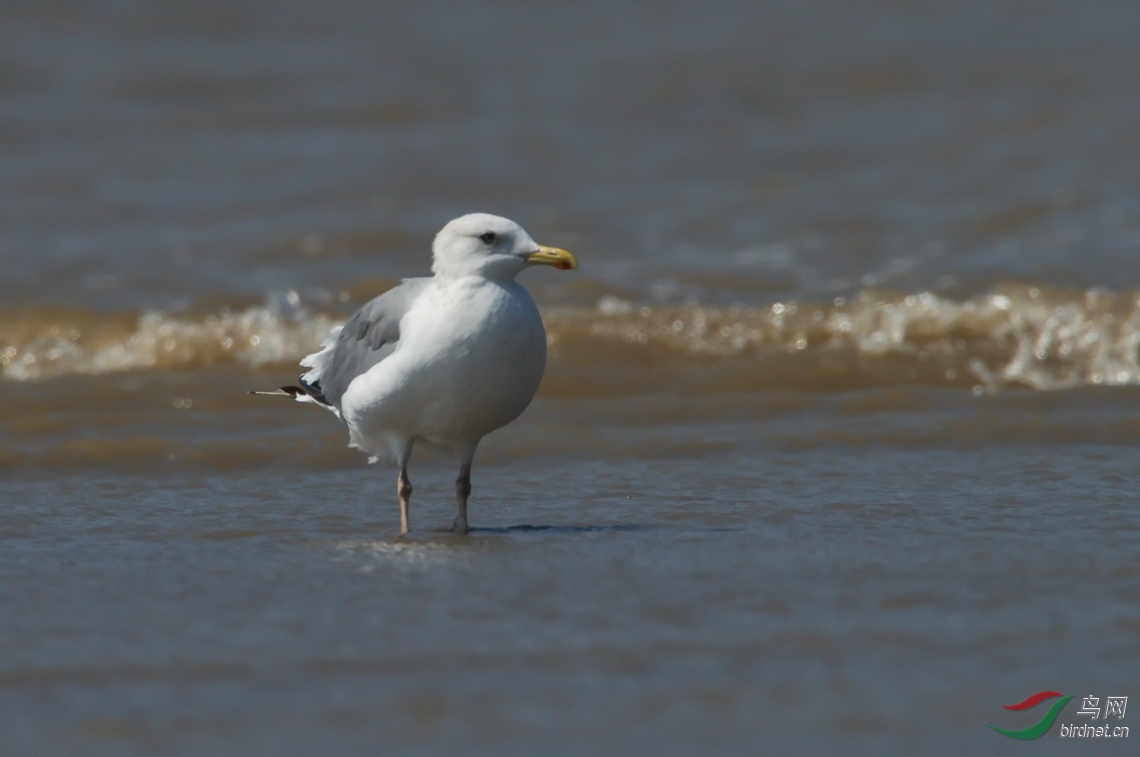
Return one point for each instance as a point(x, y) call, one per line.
point(480, 244)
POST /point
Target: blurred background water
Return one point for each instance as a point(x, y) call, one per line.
point(835, 451)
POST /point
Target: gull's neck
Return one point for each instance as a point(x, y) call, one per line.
point(481, 270)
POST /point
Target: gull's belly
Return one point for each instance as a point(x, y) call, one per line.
point(484, 380)
point(469, 361)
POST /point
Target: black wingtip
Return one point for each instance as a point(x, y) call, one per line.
point(285, 391)
point(313, 390)
point(309, 390)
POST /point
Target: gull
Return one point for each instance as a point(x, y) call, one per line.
point(444, 359)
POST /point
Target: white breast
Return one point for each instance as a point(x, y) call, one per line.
point(469, 360)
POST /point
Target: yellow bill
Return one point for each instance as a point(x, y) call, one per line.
point(560, 259)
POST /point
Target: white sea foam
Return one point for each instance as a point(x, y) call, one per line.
point(68, 344)
point(1024, 335)
point(1013, 336)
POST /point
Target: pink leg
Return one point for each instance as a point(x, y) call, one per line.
point(404, 489)
point(462, 492)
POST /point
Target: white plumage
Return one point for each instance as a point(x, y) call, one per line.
point(444, 360)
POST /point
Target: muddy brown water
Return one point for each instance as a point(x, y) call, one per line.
point(836, 449)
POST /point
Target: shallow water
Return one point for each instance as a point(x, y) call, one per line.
point(834, 452)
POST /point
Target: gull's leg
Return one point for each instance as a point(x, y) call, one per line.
point(403, 451)
point(463, 490)
point(404, 489)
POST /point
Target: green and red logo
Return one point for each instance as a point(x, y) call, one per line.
point(1041, 726)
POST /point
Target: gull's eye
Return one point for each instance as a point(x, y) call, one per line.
point(487, 237)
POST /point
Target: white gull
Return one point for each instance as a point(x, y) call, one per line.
point(445, 359)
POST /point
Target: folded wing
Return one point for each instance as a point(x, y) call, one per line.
point(368, 337)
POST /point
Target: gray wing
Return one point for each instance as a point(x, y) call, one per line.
point(368, 337)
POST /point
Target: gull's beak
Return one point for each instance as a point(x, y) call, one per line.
point(560, 259)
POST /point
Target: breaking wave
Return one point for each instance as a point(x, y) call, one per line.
point(48, 343)
point(1015, 335)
